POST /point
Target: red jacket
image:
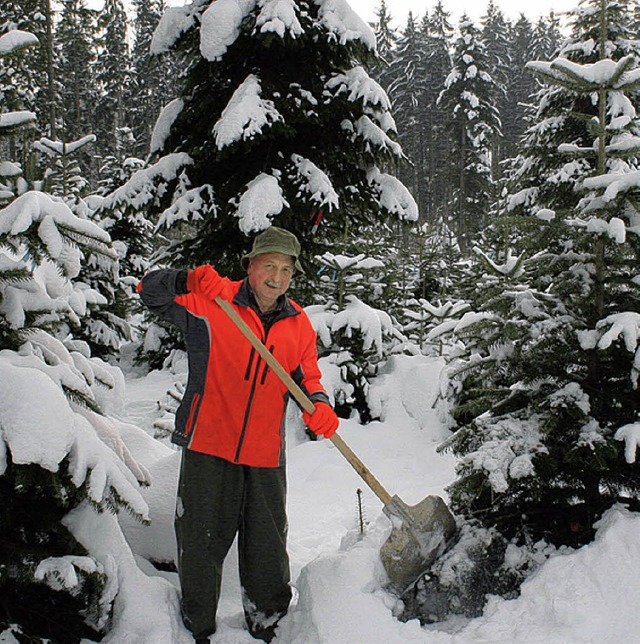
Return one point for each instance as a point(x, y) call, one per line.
point(234, 405)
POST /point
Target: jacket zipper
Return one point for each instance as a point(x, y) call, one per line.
point(247, 411)
point(245, 421)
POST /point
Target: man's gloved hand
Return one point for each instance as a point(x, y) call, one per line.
point(323, 421)
point(205, 280)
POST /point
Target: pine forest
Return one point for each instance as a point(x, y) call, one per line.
point(467, 191)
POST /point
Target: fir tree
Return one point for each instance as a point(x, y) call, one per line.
point(438, 35)
point(386, 40)
point(114, 78)
point(407, 90)
point(521, 85)
point(75, 42)
point(503, 64)
point(468, 100)
point(154, 76)
point(280, 108)
point(547, 385)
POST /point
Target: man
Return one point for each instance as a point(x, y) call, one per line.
point(231, 424)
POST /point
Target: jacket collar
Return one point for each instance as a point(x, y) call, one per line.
point(245, 298)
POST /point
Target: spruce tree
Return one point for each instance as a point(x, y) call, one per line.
point(52, 458)
point(114, 78)
point(468, 99)
point(277, 122)
point(547, 385)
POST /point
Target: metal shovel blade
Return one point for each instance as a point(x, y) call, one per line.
point(418, 537)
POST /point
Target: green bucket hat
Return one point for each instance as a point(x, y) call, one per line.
point(275, 240)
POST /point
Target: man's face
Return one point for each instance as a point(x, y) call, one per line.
point(270, 276)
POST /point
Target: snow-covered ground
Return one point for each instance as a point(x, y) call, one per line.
point(582, 596)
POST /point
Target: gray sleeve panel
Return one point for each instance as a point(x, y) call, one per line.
point(158, 293)
point(316, 396)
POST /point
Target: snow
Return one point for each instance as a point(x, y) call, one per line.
point(221, 26)
point(259, 203)
point(315, 182)
point(279, 16)
point(344, 23)
point(588, 595)
point(394, 196)
point(15, 119)
point(165, 121)
point(246, 114)
point(174, 22)
point(16, 39)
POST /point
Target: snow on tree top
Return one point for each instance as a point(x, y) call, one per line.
point(245, 115)
point(16, 39)
point(58, 148)
point(222, 20)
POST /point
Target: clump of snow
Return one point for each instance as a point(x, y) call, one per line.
point(394, 196)
point(246, 114)
point(162, 128)
point(174, 22)
point(16, 39)
point(221, 26)
point(315, 182)
point(344, 23)
point(279, 16)
point(16, 119)
point(259, 203)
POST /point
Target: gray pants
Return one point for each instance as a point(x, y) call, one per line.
point(216, 500)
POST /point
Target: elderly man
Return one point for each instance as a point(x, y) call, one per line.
point(231, 424)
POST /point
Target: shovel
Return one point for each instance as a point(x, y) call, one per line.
point(419, 532)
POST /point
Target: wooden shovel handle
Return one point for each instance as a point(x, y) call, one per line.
point(304, 401)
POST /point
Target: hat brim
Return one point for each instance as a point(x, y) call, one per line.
point(244, 262)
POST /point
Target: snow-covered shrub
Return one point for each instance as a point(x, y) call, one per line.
point(357, 339)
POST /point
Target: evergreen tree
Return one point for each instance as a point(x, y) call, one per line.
point(277, 121)
point(503, 64)
point(547, 384)
point(154, 76)
point(520, 86)
point(407, 90)
point(438, 34)
point(114, 78)
point(75, 43)
point(53, 460)
point(468, 98)
point(386, 41)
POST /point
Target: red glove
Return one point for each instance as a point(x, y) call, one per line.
point(205, 280)
point(323, 421)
